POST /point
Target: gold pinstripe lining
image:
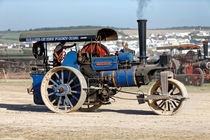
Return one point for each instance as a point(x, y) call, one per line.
point(113, 79)
point(134, 77)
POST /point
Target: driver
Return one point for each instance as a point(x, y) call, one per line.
point(58, 52)
point(126, 49)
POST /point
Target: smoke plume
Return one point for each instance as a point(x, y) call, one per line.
point(142, 4)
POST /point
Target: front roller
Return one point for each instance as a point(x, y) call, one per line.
point(62, 89)
point(169, 103)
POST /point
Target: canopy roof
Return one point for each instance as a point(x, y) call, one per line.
point(76, 35)
point(180, 47)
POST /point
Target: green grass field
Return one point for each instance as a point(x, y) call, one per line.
point(9, 37)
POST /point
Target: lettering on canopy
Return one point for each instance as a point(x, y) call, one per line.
point(65, 38)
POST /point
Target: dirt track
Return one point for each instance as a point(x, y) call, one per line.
point(21, 119)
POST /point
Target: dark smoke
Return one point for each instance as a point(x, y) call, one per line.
point(142, 4)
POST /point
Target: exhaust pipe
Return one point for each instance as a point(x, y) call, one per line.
point(142, 29)
point(205, 49)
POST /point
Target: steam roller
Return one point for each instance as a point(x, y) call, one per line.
point(90, 77)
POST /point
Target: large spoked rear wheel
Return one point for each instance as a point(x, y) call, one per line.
point(168, 106)
point(62, 89)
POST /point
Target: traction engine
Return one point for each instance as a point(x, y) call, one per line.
point(92, 76)
point(192, 68)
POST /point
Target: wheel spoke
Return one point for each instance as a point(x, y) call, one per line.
point(172, 90)
point(53, 101)
point(174, 104)
point(177, 93)
point(69, 76)
point(50, 86)
point(65, 106)
point(51, 80)
point(169, 108)
point(177, 101)
point(163, 103)
point(77, 85)
point(160, 103)
point(59, 101)
point(67, 100)
point(51, 94)
point(57, 75)
point(72, 80)
point(62, 78)
point(72, 91)
point(171, 104)
point(74, 97)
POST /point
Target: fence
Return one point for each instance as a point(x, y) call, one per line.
point(5, 76)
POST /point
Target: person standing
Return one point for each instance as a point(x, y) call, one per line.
point(126, 49)
point(59, 53)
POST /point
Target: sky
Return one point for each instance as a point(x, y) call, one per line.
point(30, 14)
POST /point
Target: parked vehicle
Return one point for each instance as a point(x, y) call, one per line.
point(192, 67)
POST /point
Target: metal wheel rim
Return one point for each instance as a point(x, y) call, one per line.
point(171, 106)
point(69, 99)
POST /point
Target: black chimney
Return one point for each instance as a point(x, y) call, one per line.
point(205, 49)
point(142, 29)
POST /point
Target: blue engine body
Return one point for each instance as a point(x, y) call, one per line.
point(120, 78)
point(107, 66)
point(125, 57)
point(71, 60)
point(104, 63)
point(37, 81)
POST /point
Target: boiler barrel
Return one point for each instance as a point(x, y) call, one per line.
point(120, 78)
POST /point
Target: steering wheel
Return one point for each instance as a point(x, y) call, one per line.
point(61, 56)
